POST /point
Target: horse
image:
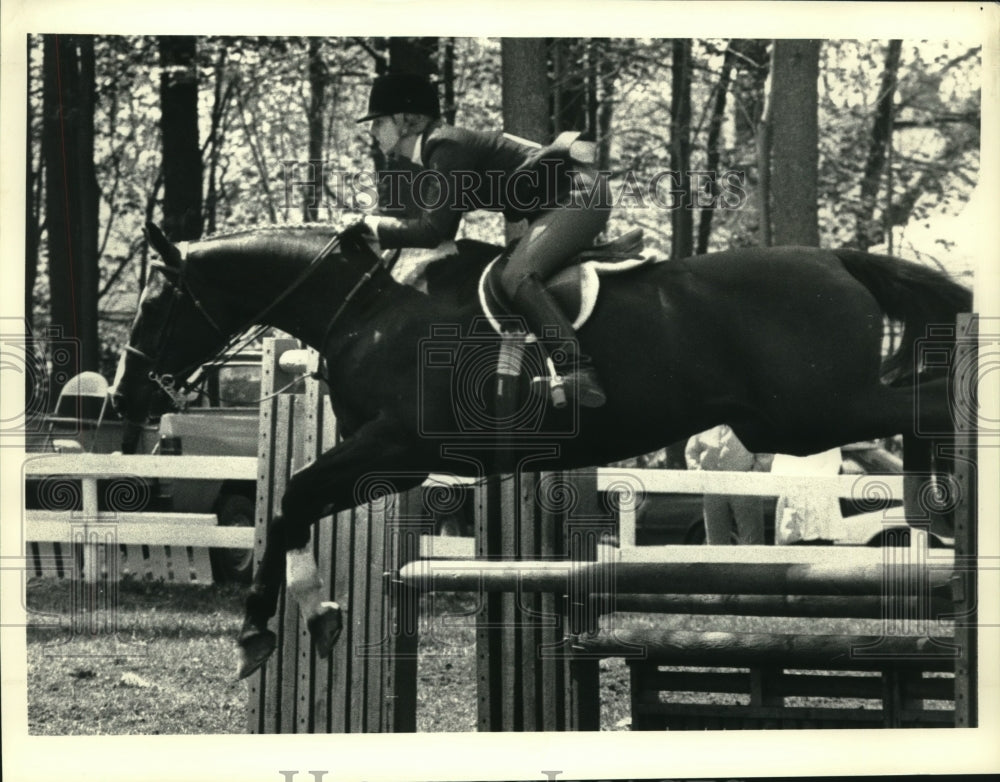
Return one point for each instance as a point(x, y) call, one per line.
point(784, 344)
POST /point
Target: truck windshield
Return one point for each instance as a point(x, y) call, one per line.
point(239, 386)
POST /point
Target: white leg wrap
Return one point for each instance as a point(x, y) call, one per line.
point(303, 581)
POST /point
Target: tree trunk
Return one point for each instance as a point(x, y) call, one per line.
point(525, 93)
point(33, 173)
point(182, 219)
point(713, 157)
point(413, 55)
point(682, 236)
point(606, 110)
point(750, 121)
point(90, 198)
point(867, 230)
point(215, 140)
point(594, 57)
point(569, 85)
point(448, 81)
point(313, 192)
point(681, 216)
point(752, 66)
point(72, 195)
point(525, 86)
point(795, 135)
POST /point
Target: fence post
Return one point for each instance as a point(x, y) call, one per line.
point(364, 685)
point(965, 577)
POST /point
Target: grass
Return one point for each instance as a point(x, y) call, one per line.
point(169, 668)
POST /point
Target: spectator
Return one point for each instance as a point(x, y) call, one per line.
point(729, 518)
point(808, 517)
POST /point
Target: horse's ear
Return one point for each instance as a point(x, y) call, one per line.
point(168, 252)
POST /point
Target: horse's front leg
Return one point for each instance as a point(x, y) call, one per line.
point(327, 485)
point(295, 568)
point(256, 641)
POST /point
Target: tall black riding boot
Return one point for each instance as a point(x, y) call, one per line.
point(543, 314)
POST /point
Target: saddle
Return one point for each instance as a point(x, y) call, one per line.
point(575, 288)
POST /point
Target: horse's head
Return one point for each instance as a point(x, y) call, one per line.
point(202, 294)
point(176, 328)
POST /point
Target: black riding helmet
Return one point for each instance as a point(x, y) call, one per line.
point(402, 93)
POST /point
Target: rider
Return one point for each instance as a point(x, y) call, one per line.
point(468, 170)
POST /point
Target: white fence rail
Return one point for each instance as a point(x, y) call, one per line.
point(98, 529)
point(200, 530)
point(756, 484)
point(98, 465)
point(632, 485)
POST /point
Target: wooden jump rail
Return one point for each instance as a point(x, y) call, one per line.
point(677, 578)
point(764, 669)
point(726, 649)
point(938, 604)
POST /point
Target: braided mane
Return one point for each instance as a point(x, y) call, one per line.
point(271, 228)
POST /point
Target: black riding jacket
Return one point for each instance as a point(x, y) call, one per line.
point(462, 171)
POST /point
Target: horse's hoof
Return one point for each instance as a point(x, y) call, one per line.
point(325, 627)
point(585, 386)
point(254, 651)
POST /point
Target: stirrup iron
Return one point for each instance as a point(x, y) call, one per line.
point(557, 385)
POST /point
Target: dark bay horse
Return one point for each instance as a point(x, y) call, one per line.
point(784, 344)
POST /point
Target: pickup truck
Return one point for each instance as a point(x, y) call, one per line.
point(220, 421)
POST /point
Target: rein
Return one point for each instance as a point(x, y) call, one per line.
point(166, 381)
point(303, 276)
point(349, 298)
point(292, 287)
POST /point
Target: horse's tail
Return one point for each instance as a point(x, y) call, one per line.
point(913, 294)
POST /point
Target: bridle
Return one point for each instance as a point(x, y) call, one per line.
point(182, 289)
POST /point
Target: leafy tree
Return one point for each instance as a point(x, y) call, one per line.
point(266, 106)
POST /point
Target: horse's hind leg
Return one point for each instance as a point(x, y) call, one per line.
point(918, 413)
point(883, 411)
point(927, 463)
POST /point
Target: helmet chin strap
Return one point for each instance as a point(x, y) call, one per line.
point(416, 154)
